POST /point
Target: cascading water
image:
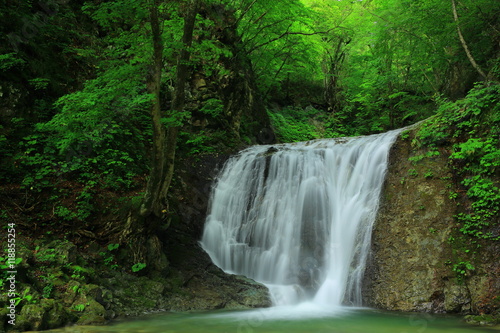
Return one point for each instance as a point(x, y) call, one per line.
point(298, 217)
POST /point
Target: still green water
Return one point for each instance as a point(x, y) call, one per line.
point(286, 321)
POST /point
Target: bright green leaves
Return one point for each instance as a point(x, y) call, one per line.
point(399, 54)
point(462, 269)
point(278, 38)
point(39, 83)
point(115, 15)
point(478, 149)
point(137, 267)
point(98, 113)
point(296, 124)
point(479, 159)
point(213, 108)
point(475, 157)
point(472, 126)
point(98, 137)
point(101, 130)
point(10, 60)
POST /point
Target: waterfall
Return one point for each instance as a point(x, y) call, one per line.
point(298, 217)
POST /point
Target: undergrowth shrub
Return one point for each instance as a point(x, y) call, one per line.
point(472, 126)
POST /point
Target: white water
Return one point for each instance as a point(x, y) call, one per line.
point(298, 217)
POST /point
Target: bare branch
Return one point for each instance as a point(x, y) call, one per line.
point(257, 33)
point(287, 33)
point(464, 44)
point(245, 11)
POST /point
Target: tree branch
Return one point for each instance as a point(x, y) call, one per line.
point(245, 11)
point(464, 44)
point(262, 28)
point(287, 33)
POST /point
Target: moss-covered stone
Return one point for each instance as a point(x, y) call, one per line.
point(56, 314)
point(482, 320)
point(93, 314)
point(3, 319)
point(32, 317)
point(45, 315)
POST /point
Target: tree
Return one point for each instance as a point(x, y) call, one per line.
point(102, 130)
point(143, 225)
point(401, 53)
point(464, 43)
point(282, 45)
point(165, 139)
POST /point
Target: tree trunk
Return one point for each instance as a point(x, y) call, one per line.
point(179, 97)
point(164, 140)
point(464, 44)
point(142, 226)
point(159, 134)
point(331, 70)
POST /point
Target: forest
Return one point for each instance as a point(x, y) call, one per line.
point(107, 104)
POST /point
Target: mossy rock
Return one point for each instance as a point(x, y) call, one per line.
point(57, 315)
point(93, 314)
point(31, 317)
point(3, 318)
point(482, 320)
point(58, 252)
point(45, 315)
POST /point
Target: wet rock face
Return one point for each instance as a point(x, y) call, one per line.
point(408, 268)
point(409, 237)
point(195, 282)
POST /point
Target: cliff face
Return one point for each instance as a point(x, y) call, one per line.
point(412, 242)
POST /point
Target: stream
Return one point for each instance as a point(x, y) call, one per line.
point(307, 318)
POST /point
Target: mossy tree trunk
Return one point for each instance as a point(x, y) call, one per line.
point(141, 228)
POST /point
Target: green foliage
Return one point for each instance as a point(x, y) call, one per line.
point(79, 307)
point(46, 255)
point(77, 273)
point(5, 266)
point(108, 257)
point(203, 142)
point(10, 60)
point(112, 247)
point(432, 152)
point(278, 38)
point(99, 136)
point(475, 157)
point(462, 269)
point(25, 297)
point(47, 290)
point(213, 108)
point(473, 126)
point(429, 174)
point(198, 144)
point(109, 133)
point(412, 173)
point(137, 267)
point(295, 124)
point(114, 14)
